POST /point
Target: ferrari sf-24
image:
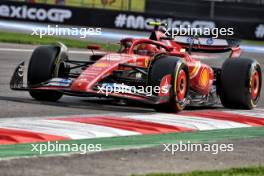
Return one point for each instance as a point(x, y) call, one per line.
point(175, 65)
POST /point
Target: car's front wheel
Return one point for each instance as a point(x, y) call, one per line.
point(44, 64)
point(170, 68)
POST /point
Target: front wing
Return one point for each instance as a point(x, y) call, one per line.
point(19, 82)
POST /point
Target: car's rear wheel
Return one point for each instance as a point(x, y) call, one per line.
point(44, 64)
point(176, 72)
point(240, 83)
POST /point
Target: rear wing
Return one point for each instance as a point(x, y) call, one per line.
point(225, 48)
point(203, 43)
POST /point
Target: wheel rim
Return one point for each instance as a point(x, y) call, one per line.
point(181, 85)
point(255, 85)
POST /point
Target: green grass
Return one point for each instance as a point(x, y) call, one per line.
point(245, 171)
point(252, 42)
point(11, 37)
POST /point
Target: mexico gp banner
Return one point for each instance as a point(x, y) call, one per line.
point(65, 15)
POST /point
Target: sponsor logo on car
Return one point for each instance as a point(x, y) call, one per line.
point(101, 64)
point(204, 79)
point(60, 82)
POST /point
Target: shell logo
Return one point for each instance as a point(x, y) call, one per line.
point(204, 78)
point(146, 62)
point(101, 64)
point(195, 70)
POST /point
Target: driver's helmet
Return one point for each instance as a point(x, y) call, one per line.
point(126, 44)
point(147, 49)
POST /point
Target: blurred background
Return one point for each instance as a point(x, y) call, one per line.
point(130, 16)
point(135, 5)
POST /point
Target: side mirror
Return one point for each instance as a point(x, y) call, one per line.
point(94, 47)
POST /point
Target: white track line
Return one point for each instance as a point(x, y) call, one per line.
point(31, 50)
point(193, 122)
point(17, 50)
point(259, 113)
point(73, 130)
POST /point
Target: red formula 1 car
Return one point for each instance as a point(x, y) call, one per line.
point(161, 71)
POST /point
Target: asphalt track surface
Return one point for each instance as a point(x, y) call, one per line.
point(122, 162)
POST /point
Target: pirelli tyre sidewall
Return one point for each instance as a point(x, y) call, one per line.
point(240, 83)
point(181, 86)
point(44, 64)
point(170, 65)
